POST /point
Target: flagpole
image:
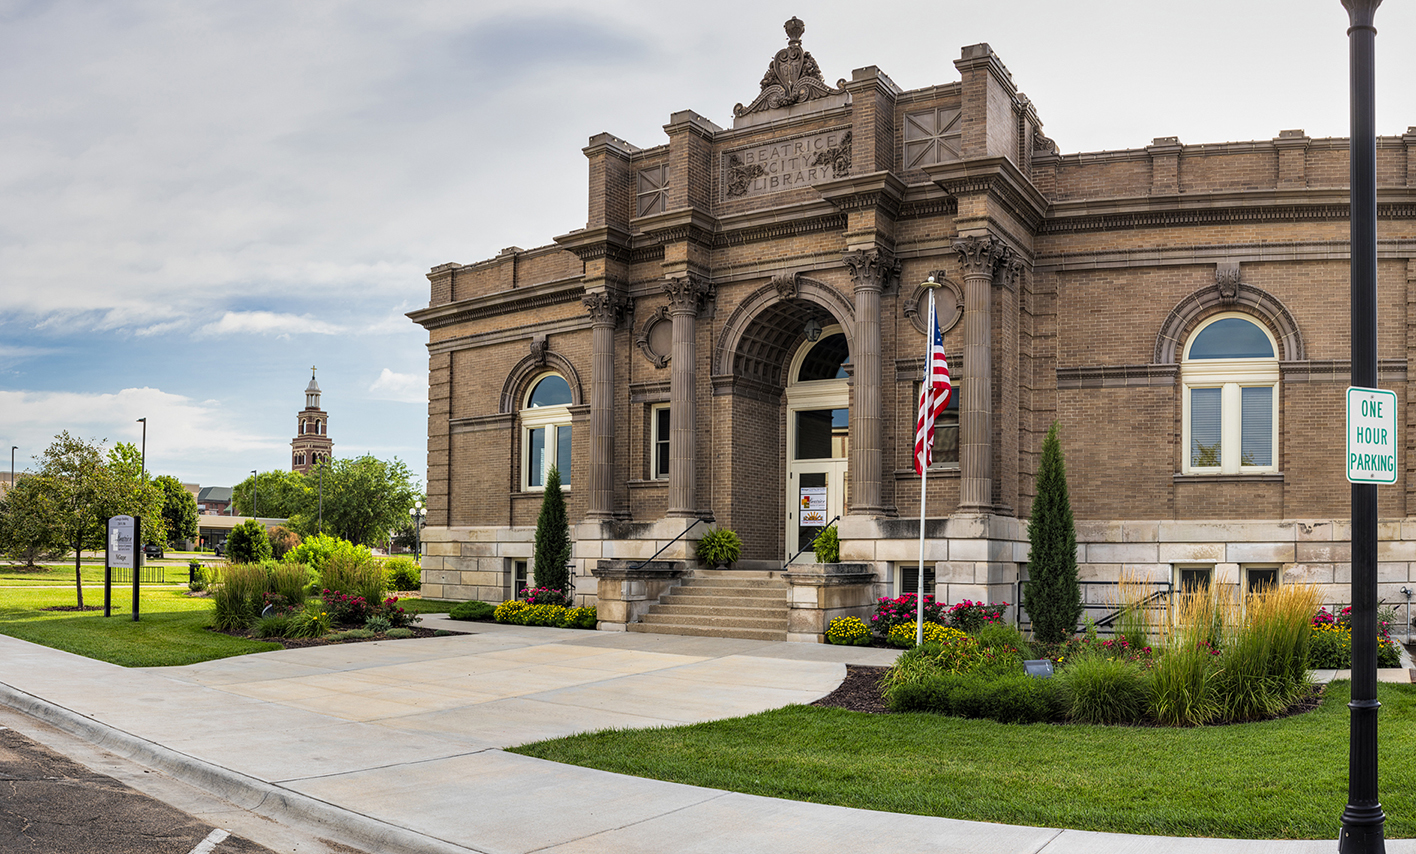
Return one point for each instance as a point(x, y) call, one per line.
point(930, 285)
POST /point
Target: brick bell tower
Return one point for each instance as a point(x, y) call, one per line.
point(311, 443)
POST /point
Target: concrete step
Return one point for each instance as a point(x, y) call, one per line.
point(735, 583)
point(731, 593)
point(708, 631)
point(778, 623)
point(754, 574)
point(718, 611)
point(723, 601)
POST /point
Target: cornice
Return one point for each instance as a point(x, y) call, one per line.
point(689, 224)
point(1219, 208)
point(606, 241)
point(880, 190)
point(503, 302)
point(1174, 256)
point(997, 176)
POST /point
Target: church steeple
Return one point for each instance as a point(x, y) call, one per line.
point(311, 444)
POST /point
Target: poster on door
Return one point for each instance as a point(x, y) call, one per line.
point(813, 507)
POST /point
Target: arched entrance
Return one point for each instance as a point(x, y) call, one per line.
point(818, 438)
point(762, 396)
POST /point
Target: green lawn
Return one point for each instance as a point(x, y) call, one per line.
point(172, 629)
point(421, 606)
point(1278, 779)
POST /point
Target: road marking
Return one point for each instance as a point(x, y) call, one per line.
point(206, 846)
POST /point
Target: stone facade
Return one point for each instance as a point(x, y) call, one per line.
point(1073, 286)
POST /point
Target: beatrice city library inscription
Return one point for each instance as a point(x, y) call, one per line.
point(786, 164)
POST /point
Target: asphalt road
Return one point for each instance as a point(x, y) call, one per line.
point(50, 804)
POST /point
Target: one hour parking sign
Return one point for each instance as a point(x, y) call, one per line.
point(1371, 435)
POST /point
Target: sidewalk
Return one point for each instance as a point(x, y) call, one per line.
point(395, 746)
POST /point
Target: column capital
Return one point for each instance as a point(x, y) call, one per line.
point(606, 307)
point(983, 256)
point(871, 269)
point(687, 292)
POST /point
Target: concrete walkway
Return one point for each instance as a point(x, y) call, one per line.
point(395, 746)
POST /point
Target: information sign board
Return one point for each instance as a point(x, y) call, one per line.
point(1371, 435)
point(122, 543)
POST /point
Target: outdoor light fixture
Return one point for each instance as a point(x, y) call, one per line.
point(812, 329)
point(417, 513)
point(1041, 668)
point(144, 422)
point(254, 484)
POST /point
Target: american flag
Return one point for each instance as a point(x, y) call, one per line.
point(934, 394)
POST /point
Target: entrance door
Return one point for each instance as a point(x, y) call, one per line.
point(818, 441)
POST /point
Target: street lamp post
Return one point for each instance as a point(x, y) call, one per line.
point(418, 514)
point(321, 499)
point(255, 482)
point(13, 448)
point(144, 458)
point(1363, 819)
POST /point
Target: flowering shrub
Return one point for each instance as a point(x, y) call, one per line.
point(542, 615)
point(579, 618)
point(345, 609)
point(1330, 647)
point(312, 622)
point(396, 616)
point(892, 612)
point(545, 596)
point(972, 616)
point(510, 611)
point(903, 634)
point(848, 631)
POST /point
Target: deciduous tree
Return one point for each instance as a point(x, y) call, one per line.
point(179, 509)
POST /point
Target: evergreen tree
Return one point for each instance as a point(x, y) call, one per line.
point(552, 537)
point(1052, 597)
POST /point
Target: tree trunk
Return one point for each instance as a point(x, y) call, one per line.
point(78, 572)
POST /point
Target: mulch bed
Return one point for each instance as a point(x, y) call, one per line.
point(73, 608)
point(860, 692)
point(302, 643)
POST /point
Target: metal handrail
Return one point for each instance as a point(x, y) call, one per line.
point(808, 545)
point(1111, 618)
point(644, 563)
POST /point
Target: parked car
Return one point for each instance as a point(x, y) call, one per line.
point(152, 550)
point(220, 549)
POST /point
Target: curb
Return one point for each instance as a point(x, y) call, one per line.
point(248, 793)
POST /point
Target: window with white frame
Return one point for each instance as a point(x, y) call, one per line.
point(545, 432)
point(1230, 381)
point(907, 579)
point(659, 441)
point(1258, 579)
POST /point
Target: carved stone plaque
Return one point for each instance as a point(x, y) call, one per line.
point(785, 164)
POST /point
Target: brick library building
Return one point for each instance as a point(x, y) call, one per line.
point(736, 339)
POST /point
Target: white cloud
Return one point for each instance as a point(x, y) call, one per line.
point(406, 388)
point(269, 323)
point(187, 439)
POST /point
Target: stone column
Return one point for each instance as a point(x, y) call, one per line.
point(979, 257)
point(871, 269)
point(606, 308)
point(686, 293)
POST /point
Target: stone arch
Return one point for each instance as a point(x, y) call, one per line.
point(762, 332)
point(1233, 296)
point(532, 365)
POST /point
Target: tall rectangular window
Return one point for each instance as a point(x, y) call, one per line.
point(1256, 426)
point(659, 442)
point(547, 446)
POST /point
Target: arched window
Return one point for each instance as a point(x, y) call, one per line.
point(545, 432)
point(1230, 381)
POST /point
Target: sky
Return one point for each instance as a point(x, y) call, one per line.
point(199, 201)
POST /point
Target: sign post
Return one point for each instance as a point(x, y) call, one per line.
point(122, 552)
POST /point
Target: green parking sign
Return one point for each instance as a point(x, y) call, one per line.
point(1371, 435)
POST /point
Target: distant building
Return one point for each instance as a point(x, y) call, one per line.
point(311, 443)
point(214, 500)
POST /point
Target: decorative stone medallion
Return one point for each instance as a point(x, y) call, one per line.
point(948, 304)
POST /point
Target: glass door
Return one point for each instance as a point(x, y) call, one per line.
point(819, 443)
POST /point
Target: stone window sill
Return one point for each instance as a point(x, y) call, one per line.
point(1257, 477)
